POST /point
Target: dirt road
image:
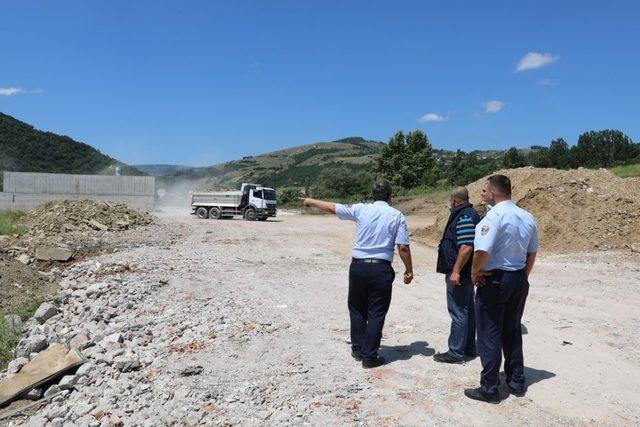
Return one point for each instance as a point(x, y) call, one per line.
point(261, 308)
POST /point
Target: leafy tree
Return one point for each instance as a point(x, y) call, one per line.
point(512, 158)
point(539, 158)
point(408, 161)
point(457, 168)
point(604, 148)
point(559, 154)
point(341, 183)
point(288, 195)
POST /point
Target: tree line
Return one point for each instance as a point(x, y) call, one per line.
point(409, 162)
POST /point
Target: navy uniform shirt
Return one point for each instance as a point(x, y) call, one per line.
point(379, 227)
point(508, 233)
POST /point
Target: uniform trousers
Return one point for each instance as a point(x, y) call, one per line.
point(499, 307)
point(462, 337)
point(369, 299)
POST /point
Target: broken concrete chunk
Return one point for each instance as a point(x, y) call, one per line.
point(126, 363)
point(45, 312)
point(24, 258)
point(80, 342)
point(42, 369)
point(97, 225)
point(33, 394)
point(53, 253)
point(113, 338)
point(54, 389)
point(190, 371)
point(16, 364)
point(68, 382)
point(31, 344)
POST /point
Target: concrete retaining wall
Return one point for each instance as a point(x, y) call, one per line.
point(24, 191)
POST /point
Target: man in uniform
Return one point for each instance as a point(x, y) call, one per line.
point(454, 260)
point(379, 227)
point(506, 244)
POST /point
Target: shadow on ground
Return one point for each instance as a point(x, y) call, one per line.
point(406, 352)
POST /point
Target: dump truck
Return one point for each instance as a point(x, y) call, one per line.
point(253, 202)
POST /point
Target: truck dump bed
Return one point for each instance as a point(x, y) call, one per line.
point(216, 198)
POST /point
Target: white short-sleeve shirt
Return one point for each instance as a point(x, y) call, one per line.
point(508, 233)
point(379, 227)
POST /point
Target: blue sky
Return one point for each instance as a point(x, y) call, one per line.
point(200, 82)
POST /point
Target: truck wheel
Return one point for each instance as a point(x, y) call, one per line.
point(214, 213)
point(262, 218)
point(250, 214)
point(202, 213)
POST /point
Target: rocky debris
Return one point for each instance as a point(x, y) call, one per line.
point(24, 258)
point(68, 382)
point(16, 364)
point(581, 209)
point(149, 341)
point(53, 253)
point(190, 371)
point(63, 216)
point(45, 312)
point(31, 344)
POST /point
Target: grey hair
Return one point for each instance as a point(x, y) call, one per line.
point(461, 194)
point(381, 190)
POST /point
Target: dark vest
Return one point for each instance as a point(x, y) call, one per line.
point(448, 250)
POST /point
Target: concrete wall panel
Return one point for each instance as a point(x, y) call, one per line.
point(50, 183)
point(24, 191)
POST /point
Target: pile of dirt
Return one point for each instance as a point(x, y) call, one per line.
point(62, 216)
point(580, 209)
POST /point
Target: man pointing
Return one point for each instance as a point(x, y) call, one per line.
point(379, 228)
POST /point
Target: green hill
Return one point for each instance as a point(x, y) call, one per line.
point(26, 149)
point(295, 166)
point(159, 170)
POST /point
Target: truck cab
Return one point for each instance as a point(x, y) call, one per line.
point(253, 202)
point(260, 200)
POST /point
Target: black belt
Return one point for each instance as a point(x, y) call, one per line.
point(370, 261)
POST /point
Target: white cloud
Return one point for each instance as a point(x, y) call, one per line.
point(10, 91)
point(533, 60)
point(493, 106)
point(432, 117)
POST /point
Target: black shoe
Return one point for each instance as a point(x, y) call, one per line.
point(478, 394)
point(517, 393)
point(356, 356)
point(446, 358)
point(373, 363)
point(471, 355)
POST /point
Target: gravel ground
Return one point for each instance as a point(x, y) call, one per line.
point(234, 322)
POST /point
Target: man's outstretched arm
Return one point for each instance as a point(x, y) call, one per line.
point(329, 207)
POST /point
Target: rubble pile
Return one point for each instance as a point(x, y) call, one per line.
point(144, 359)
point(62, 216)
point(579, 209)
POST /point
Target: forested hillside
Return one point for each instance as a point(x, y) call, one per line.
point(26, 149)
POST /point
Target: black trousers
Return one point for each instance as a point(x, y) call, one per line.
point(499, 307)
point(369, 298)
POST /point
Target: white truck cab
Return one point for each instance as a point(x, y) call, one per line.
point(253, 202)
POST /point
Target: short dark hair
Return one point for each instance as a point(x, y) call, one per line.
point(500, 184)
point(381, 190)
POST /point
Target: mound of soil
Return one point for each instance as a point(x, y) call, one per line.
point(580, 209)
point(83, 215)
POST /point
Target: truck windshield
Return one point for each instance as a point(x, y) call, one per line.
point(269, 194)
